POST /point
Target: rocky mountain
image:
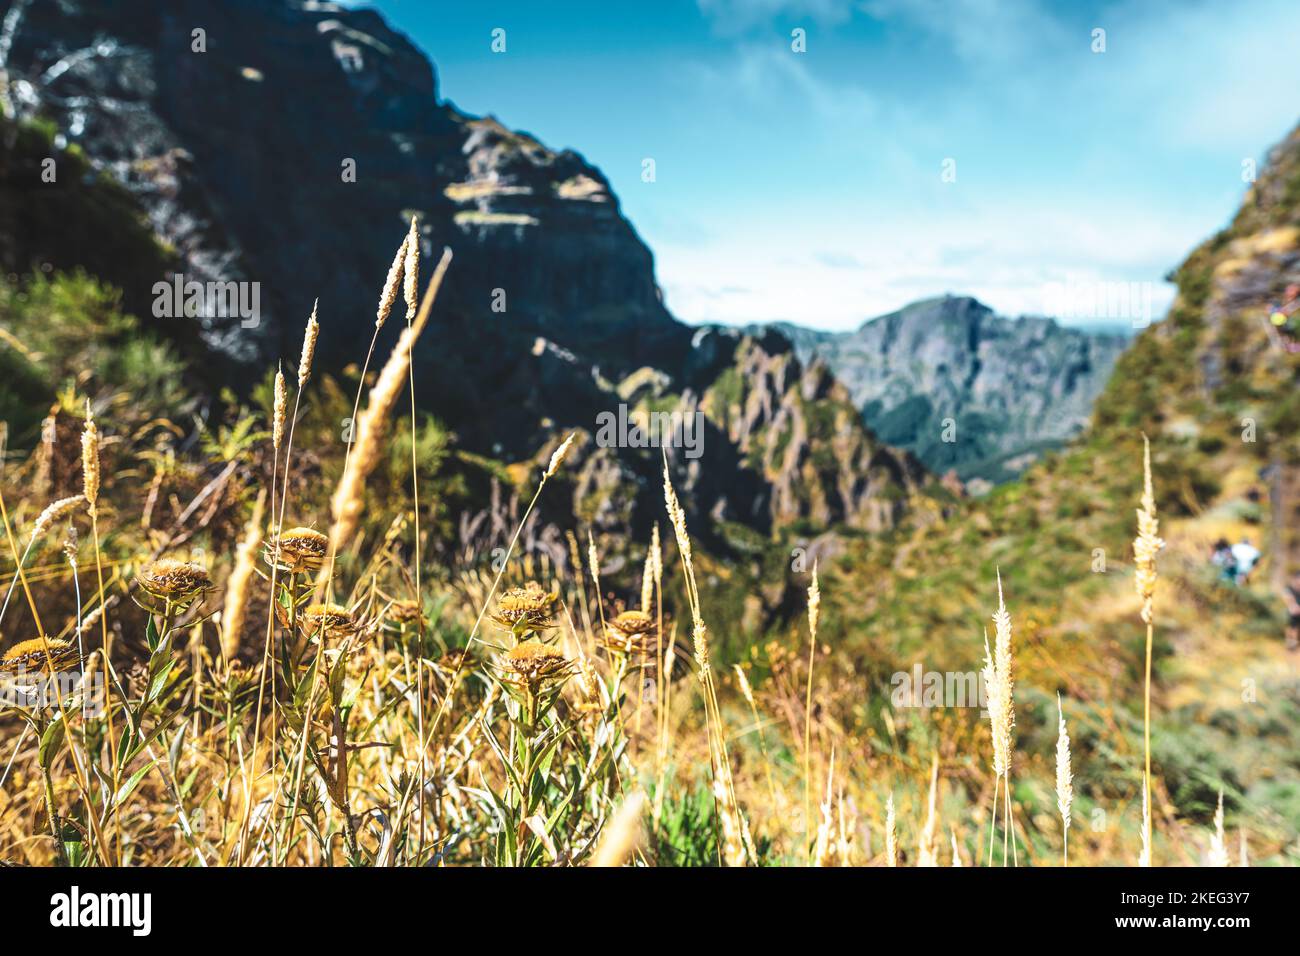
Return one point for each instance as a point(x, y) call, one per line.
point(284, 144)
point(966, 389)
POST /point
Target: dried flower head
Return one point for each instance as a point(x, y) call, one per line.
point(175, 581)
point(329, 620)
point(630, 633)
point(403, 612)
point(40, 654)
point(299, 550)
point(535, 667)
point(529, 608)
point(454, 661)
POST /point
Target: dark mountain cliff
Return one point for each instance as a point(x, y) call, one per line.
point(234, 126)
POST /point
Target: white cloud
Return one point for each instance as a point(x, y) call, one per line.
point(1075, 167)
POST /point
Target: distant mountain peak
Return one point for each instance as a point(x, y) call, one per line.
point(963, 387)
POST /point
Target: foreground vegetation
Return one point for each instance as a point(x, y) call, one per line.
point(299, 673)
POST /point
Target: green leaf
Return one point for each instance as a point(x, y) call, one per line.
point(159, 681)
point(126, 789)
point(52, 741)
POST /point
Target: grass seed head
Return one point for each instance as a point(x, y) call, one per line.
point(411, 280)
point(280, 411)
point(389, 294)
point(557, 458)
point(54, 512)
point(90, 462)
point(1064, 778)
point(308, 347)
point(1148, 543)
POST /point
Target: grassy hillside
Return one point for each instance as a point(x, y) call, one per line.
point(1218, 397)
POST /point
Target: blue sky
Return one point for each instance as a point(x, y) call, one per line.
point(807, 186)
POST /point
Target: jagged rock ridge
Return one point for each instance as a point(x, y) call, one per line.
point(1011, 387)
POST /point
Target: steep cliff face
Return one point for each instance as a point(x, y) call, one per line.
point(287, 144)
point(1010, 387)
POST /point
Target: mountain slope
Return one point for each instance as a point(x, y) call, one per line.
point(1011, 388)
point(1219, 397)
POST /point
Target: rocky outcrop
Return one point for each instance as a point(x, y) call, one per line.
point(797, 426)
point(966, 389)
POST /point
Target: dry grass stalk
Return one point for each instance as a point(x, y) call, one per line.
point(928, 851)
point(814, 613)
point(1146, 546)
point(956, 851)
point(1064, 781)
point(372, 425)
point(891, 832)
point(1218, 843)
point(848, 830)
point(1144, 858)
point(737, 844)
point(240, 580)
point(1000, 680)
point(825, 849)
point(623, 834)
point(723, 786)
